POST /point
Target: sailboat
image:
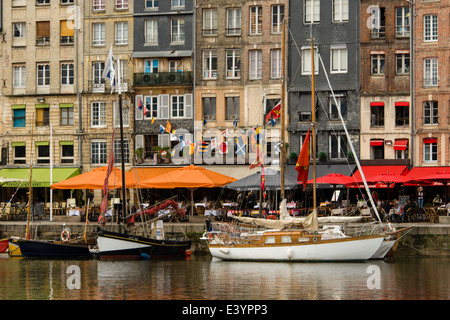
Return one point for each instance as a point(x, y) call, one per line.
point(124, 245)
point(290, 239)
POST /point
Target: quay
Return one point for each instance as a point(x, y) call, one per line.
point(425, 239)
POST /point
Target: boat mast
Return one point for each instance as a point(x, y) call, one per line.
point(30, 188)
point(283, 87)
point(313, 119)
point(124, 199)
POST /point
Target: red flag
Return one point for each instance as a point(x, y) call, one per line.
point(104, 204)
point(275, 112)
point(259, 159)
point(302, 165)
point(263, 182)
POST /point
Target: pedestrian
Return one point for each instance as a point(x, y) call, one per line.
point(420, 198)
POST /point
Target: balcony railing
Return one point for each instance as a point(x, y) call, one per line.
point(103, 86)
point(163, 78)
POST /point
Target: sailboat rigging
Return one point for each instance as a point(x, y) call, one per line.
point(290, 239)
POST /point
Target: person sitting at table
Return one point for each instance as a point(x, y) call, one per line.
point(410, 204)
point(250, 200)
point(437, 201)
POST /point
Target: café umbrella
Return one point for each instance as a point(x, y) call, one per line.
point(191, 177)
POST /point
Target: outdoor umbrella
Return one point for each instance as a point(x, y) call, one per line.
point(334, 179)
point(191, 177)
point(95, 179)
point(253, 181)
point(441, 177)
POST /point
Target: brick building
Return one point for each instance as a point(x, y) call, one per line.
point(385, 80)
point(432, 83)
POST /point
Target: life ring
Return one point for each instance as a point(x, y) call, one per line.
point(210, 236)
point(272, 217)
point(65, 235)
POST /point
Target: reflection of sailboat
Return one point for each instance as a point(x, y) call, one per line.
point(290, 239)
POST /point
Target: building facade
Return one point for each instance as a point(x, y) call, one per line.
point(385, 80)
point(334, 27)
point(163, 80)
point(238, 72)
point(432, 83)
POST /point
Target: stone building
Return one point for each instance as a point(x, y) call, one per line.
point(432, 83)
point(385, 81)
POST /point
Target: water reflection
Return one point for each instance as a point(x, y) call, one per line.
point(201, 278)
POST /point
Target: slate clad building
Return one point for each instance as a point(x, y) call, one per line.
point(334, 26)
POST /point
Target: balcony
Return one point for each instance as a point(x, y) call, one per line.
point(163, 78)
point(102, 86)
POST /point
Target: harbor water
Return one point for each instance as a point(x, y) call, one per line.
point(200, 278)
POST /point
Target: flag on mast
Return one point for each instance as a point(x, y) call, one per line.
point(302, 165)
point(110, 72)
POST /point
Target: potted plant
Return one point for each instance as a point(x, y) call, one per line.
point(139, 152)
point(157, 150)
point(322, 156)
point(166, 156)
point(293, 157)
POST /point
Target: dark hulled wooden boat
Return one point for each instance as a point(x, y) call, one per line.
point(53, 249)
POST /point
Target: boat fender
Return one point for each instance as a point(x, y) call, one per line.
point(315, 239)
point(289, 253)
point(65, 235)
point(271, 217)
point(224, 250)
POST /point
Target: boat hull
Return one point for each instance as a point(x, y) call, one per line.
point(52, 249)
point(348, 249)
point(119, 245)
point(4, 244)
point(382, 251)
point(14, 248)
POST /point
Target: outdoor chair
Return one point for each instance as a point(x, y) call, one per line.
point(411, 214)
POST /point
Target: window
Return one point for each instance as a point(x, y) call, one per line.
point(98, 38)
point(19, 30)
point(151, 31)
point(121, 33)
point(97, 76)
point(67, 75)
point(233, 63)
point(275, 58)
point(98, 152)
point(19, 119)
point(121, 4)
point(151, 106)
point(402, 27)
point(341, 106)
point(66, 111)
point(98, 114)
point(311, 11)
point(43, 152)
point(402, 113)
point(430, 28)
point(209, 22)
point(209, 108)
point(255, 65)
point(42, 33)
point(176, 65)
point(66, 32)
point(43, 75)
point(19, 76)
point(66, 151)
point(42, 2)
point(430, 72)
point(378, 28)
point(234, 21)
point(232, 108)
point(255, 20)
point(151, 4)
point(177, 106)
point(151, 66)
point(377, 114)
point(209, 64)
point(42, 115)
point(402, 63)
point(178, 3)
point(99, 4)
point(306, 61)
point(430, 149)
point(340, 10)
point(377, 149)
point(118, 150)
point(177, 28)
point(67, 1)
point(125, 114)
point(377, 64)
point(20, 152)
point(338, 146)
point(277, 18)
point(338, 59)
point(430, 112)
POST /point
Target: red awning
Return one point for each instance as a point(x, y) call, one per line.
point(401, 144)
point(377, 103)
point(371, 171)
point(376, 143)
point(430, 140)
point(417, 173)
point(402, 104)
